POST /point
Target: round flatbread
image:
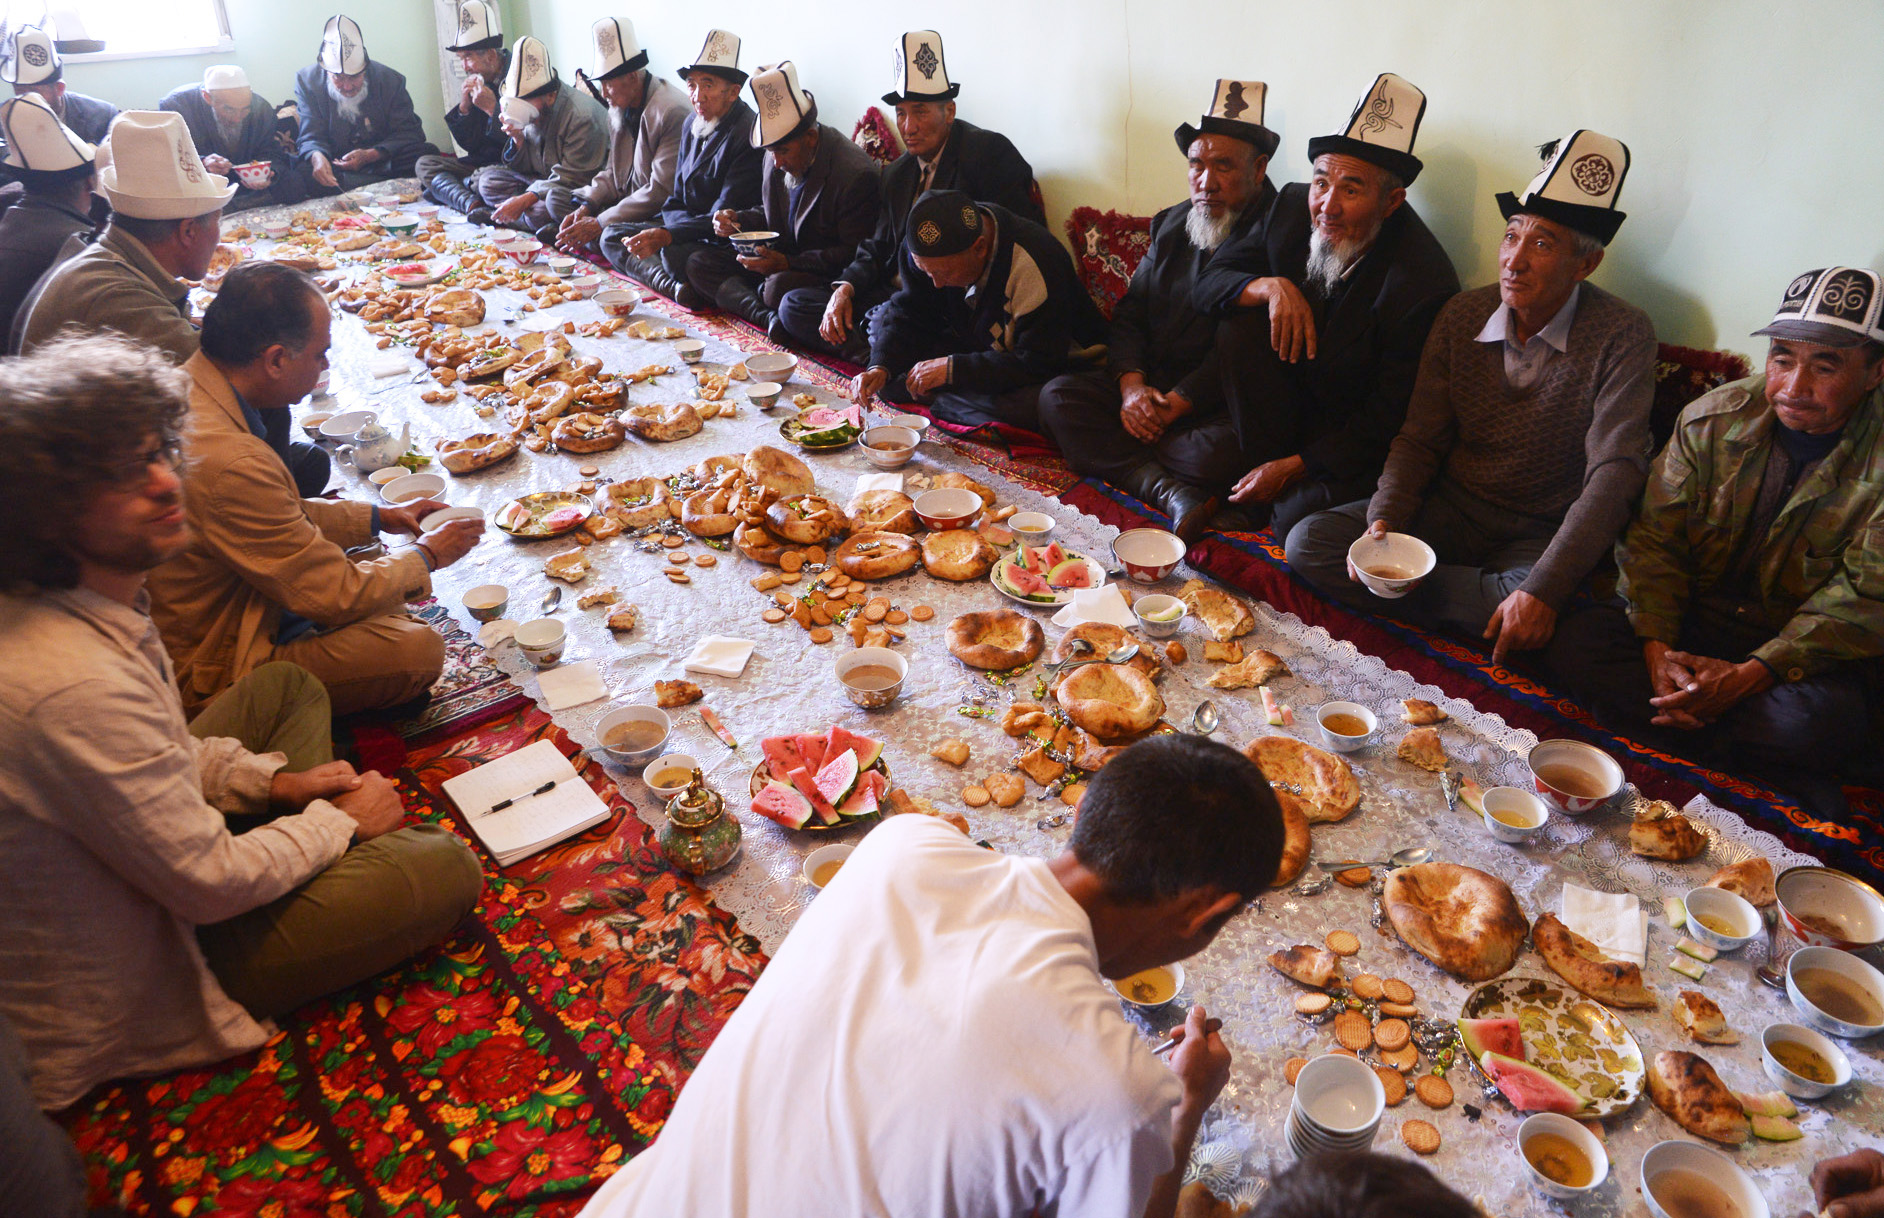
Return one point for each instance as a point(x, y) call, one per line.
point(1330, 791)
point(1111, 701)
point(957, 554)
point(1462, 919)
point(995, 640)
point(1295, 840)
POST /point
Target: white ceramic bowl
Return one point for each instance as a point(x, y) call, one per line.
point(1159, 604)
point(402, 226)
point(562, 265)
point(426, 211)
point(665, 762)
point(1703, 1161)
point(1576, 1135)
point(749, 242)
point(1863, 975)
point(816, 861)
point(543, 641)
point(277, 229)
point(256, 175)
point(947, 507)
point(1031, 527)
point(1148, 555)
point(321, 384)
point(915, 422)
point(1724, 907)
point(342, 426)
point(585, 285)
point(413, 486)
point(521, 250)
point(312, 420)
point(1597, 766)
point(1401, 552)
point(630, 714)
point(617, 302)
point(764, 394)
point(872, 699)
point(1818, 1042)
point(486, 602)
point(1830, 899)
point(518, 111)
point(771, 366)
point(1339, 1098)
point(392, 473)
point(1177, 976)
point(1335, 740)
point(447, 515)
point(889, 447)
point(1518, 804)
point(690, 350)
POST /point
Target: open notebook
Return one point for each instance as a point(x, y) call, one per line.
point(533, 822)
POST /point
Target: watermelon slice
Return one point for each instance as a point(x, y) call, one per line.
point(1026, 582)
point(1030, 560)
point(861, 802)
point(820, 417)
point(1073, 573)
point(781, 756)
point(1473, 795)
point(1767, 1103)
point(1528, 1088)
point(1776, 1129)
point(866, 749)
point(779, 802)
point(1504, 1037)
point(808, 787)
point(837, 778)
point(852, 414)
point(811, 749)
point(1052, 555)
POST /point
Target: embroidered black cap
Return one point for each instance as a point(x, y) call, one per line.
point(943, 222)
point(1836, 307)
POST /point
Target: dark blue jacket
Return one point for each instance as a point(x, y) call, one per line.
point(481, 135)
point(720, 172)
point(388, 123)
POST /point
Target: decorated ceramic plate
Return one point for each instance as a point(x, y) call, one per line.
point(543, 514)
point(762, 773)
point(418, 274)
point(822, 428)
point(1577, 1040)
point(1013, 579)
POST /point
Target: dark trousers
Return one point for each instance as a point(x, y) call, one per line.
point(309, 463)
point(352, 179)
point(665, 272)
point(712, 267)
point(1798, 736)
point(1016, 407)
point(801, 312)
point(1485, 552)
point(40, 1172)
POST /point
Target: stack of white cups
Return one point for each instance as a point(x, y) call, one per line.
point(1337, 1107)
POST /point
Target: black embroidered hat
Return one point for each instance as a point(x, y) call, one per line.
point(943, 222)
point(1839, 306)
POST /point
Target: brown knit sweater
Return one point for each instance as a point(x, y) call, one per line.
point(1573, 450)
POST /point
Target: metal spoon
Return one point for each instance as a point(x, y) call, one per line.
point(1074, 650)
point(1123, 654)
point(1769, 972)
point(1204, 720)
point(552, 598)
point(1412, 856)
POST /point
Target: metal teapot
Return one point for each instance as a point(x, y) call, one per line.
point(699, 836)
point(374, 447)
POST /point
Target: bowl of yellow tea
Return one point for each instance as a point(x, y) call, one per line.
point(1152, 987)
point(1804, 1063)
point(1392, 565)
point(1723, 920)
point(823, 864)
point(1573, 777)
point(1345, 726)
point(1565, 1160)
point(1682, 1179)
point(1512, 814)
point(1836, 992)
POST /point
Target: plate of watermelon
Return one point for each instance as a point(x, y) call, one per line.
point(418, 274)
point(1044, 575)
point(819, 782)
point(824, 427)
point(1547, 1048)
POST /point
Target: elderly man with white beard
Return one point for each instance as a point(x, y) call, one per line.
point(1326, 310)
point(357, 120)
point(553, 152)
point(1153, 422)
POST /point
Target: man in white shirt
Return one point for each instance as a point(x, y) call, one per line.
point(936, 1037)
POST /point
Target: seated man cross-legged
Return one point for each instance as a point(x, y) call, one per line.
point(1526, 438)
point(166, 888)
point(936, 1035)
point(266, 574)
point(1752, 580)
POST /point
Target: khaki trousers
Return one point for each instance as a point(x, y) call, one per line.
point(381, 903)
point(382, 661)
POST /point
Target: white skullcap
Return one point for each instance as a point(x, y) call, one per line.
point(225, 76)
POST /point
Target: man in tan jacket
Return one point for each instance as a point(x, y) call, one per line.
point(645, 118)
point(266, 575)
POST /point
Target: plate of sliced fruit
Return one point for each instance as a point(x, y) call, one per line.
point(821, 781)
point(1044, 575)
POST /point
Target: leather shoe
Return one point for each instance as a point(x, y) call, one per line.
point(1189, 506)
point(1238, 518)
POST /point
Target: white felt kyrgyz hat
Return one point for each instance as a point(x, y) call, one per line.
point(920, 75)
point(719, 55)
point(1578, 186)
point(784, 108)
point(1840, 306)
point(616, 50)
point(343, 50)
point(31, 59)
point(155, 173)
point(1382, 129)
point(1236, 110)
point(480, 27)
point(228, 76)
point(37, 142)
point(530, 71)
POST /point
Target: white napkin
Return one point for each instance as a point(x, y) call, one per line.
point(571, 685)
point(388, 363)
point(719, 655)
point(879, 482)
point(1101, 604)
point(495, 632)
point(1613, 921)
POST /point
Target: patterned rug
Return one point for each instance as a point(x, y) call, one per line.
point(469, 691)
point(508, 1072)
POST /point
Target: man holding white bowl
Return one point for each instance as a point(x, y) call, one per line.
point(1526, 440)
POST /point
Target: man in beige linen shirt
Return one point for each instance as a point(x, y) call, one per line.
point(142, 934)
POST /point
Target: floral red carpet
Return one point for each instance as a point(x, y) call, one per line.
point(508, 1073)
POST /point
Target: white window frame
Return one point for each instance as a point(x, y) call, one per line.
point(224, 42)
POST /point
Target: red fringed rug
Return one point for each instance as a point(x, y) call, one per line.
point(507, 1073)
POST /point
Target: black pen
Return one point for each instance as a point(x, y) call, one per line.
point(501, 804)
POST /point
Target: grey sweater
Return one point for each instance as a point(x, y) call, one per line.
point(1574, 450)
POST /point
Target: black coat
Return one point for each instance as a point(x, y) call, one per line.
point(718, 173)
point(1018, 330)
point(31, 235)
point(255, 142)
point(984, 165)
point(481, 135)
point(1156, 330)
point(837, 206)
point(1351, 398)
point(388, 122)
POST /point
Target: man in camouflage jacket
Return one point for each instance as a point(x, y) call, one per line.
point(1753, 577)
